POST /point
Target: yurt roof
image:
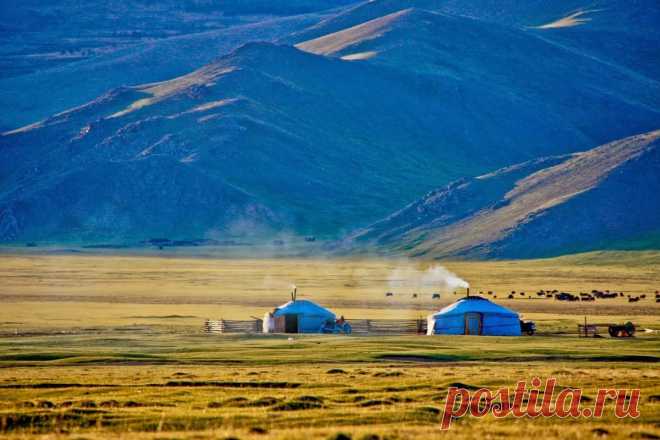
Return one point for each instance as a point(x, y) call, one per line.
point(474, 304)
point(303, 306)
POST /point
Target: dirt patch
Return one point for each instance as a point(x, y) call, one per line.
point(375, 402)
point(46, 404)
point(42, 422)
point(296, 405)
point(463, 386)
point(58, 385)
point(133, 404)
point(109, 404)
point(388, 374)
point(35, 357)
point(309, 399)
point(263, 402)
point(644, 436)
point(186, 383)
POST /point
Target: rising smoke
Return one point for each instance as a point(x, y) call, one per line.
point(435, 277)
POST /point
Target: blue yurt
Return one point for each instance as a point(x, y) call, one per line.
point(474, 315)
point(298, 316)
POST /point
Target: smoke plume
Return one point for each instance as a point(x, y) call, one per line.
point(436, 277)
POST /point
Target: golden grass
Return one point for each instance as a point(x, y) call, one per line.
point(64, 291)
point(163, 90)
point(165, 379)
point(191, 399)
point(568, 21)
point(337, 41)
point(532, 195)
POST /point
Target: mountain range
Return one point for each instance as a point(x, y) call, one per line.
point(597, 199)
point(322, 118)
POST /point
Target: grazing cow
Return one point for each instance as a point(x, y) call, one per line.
point(511, 296)
point(606, 294)
point(435, 296)
point(633, 299)
point(414, 295)
point(389, 294)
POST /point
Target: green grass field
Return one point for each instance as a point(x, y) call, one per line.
point(111, 347)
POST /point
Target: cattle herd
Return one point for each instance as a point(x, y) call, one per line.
point(559, 296)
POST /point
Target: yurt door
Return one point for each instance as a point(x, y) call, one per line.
point(279, 324)
point(291, 324)
point(473, 323)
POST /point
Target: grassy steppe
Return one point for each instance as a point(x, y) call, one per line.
point(197, 386)
point(73, 365)
point(72, 291)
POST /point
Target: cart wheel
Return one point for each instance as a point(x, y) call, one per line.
point(613, 331)
point(630, 328)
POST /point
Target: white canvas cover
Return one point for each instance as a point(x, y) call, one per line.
point(474, 315)
point(311, 316)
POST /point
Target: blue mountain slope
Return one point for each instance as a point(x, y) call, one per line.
point(615, 32)
point(561, 85)
point(604, 198)
point(84, 49)
point(310, 141)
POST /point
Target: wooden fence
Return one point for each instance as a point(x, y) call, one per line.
point(233, 326)
point(388, 326)
point(359, 326)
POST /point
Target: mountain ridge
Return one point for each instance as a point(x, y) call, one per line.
point(326, 136)
point(524, 207)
